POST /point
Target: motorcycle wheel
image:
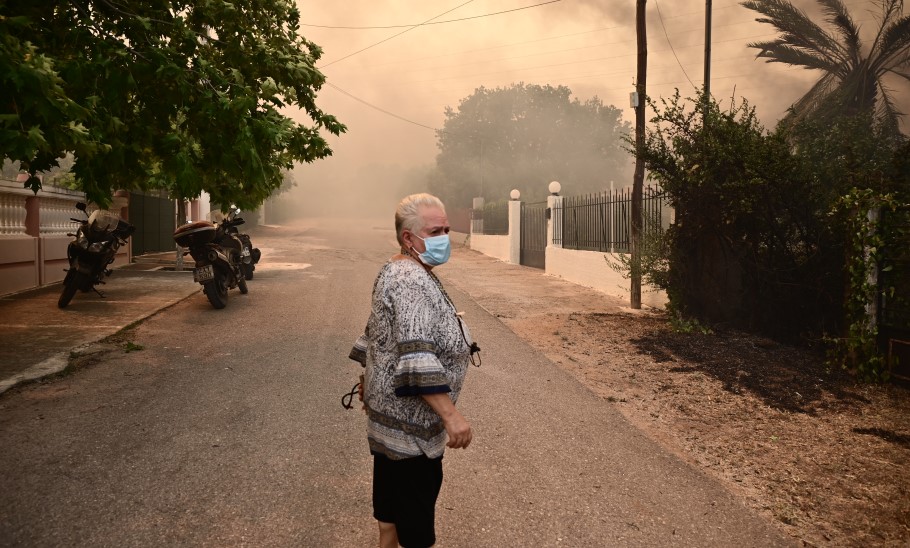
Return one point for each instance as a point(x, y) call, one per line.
point(242, 285)
point(248, 271)
point(216, 291)
point(71, 283)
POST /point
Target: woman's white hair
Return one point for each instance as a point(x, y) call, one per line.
point(407, 214)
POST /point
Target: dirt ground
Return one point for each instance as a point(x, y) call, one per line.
point(825, 458)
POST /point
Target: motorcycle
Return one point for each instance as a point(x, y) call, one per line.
point(218, 254)
point(95, 246)
point(249, 255)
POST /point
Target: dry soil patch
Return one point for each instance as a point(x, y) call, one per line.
point(824, 457)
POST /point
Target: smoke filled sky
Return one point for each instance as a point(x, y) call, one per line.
point(586, 45)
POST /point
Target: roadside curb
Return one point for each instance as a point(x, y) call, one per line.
point(51, 366)
point(60, 361)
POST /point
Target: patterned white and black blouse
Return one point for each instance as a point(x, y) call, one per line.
point(413, 344)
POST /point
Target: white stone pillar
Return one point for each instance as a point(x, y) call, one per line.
point(515, 231)
point(554, 204)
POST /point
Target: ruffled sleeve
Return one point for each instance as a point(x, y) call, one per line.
point(416, 318)
point(359, 351)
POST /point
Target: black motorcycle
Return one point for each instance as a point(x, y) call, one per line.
point(218, 255)
point(249, 255)
point(95, 246)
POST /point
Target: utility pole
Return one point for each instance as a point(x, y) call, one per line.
point(707, 51)
point(481, 166)
point(639, 178)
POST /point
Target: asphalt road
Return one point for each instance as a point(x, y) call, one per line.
point(226, 429)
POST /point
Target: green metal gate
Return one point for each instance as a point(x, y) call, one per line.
point(154, 216)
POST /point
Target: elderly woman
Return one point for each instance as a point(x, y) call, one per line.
point(416, 351)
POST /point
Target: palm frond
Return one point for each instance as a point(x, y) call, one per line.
point(841, 19)
point(780, 51)
point(887, 110)
point(852, 81)
point(797, 29)
point(894, 42)
point(902, 74)
point(812, 102)
point(890, 8)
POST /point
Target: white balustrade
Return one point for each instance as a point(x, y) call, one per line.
point(55, 215)
point(12, 214)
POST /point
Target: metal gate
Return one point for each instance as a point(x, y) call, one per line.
point(153, 215)
point(534, 234)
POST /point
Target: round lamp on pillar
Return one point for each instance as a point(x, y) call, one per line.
point(515, 194)
point(555, 187)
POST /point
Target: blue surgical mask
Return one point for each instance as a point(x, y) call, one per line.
point(439, 248)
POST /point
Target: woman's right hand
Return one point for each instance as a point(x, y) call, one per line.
point(459, 431)
point(457, 427)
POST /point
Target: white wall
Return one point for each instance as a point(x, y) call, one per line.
point(590, 269)
point(587, 268)
point(492, 246)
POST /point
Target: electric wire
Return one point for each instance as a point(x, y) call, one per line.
point(431, 22)
point(662, 84)
point(478, 50)
point(380, 109)
point(578, 62)
point(414, 60)
point(393, 36)
point(667, 35)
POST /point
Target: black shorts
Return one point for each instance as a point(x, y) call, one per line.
point(404, 493)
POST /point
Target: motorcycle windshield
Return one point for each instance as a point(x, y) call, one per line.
point(103, 220)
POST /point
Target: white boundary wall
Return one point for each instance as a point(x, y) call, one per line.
point(586, 268)
point(590, 269)
point(492, 246)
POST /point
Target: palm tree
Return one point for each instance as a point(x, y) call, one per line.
point(852, 80)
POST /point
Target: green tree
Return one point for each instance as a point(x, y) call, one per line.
point(853, 77)
point(750, 245)
point(186, 96)
point(524, 136)
point(39, 122)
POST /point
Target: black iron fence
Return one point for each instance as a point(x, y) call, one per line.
point(493, 219)
point(603, 221)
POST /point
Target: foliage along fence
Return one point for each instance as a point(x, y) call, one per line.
point(493, 219)
point(603, 221)
point(894, 279)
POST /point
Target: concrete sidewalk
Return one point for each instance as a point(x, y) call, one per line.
point(38, 337)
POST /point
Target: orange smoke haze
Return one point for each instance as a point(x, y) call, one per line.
point(403, 84)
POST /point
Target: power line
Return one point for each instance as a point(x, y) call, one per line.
point(415, 60)
point(662, 84)
point(431, 23)
point(394, 35)
point(398, 62)
point(578, 62)
point(402, 118)
point(661, 18)
point(380, 109)
point(561, 78)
